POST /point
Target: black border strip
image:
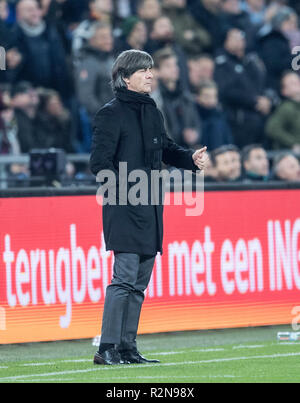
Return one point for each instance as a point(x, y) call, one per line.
point(91, 190)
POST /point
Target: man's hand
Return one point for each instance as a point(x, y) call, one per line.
point(200, 157)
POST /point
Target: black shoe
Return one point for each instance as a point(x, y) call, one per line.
point(134, 357)
point(108, 357)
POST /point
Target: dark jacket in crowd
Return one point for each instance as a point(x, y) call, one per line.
point(26, 131)
point(179, 111)
point(93, 75)
point(54, 132)
point(214, 24)
point(118, 138)
point(240, 82)
point(215, 129)
point(274, 50)
point(4, 143)
point(242, 21)
point(43, 60)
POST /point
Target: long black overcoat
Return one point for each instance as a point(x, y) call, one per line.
point(117, 137)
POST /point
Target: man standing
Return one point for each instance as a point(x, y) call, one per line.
point(130, 129)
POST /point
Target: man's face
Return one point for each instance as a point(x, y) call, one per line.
point(291, 86)
point(3, 10)
point(102, 39)
point(26, 99)
point(139, 33)
point(201, 70)
point(29, 12)
point(231, 6)
point(168, 70)
point(162, 29)
point(256, 4)
point(150, 10)
point(208, 98)
point(102, 6)
point(257, 162)
point(140, 81)
point(235, 42)
point(228, 165)
point(289, 169)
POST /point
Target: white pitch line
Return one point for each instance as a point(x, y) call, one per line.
point(248, 346)
point(169, 364)
point(36, 364)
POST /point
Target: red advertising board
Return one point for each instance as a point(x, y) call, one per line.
point(237, 264)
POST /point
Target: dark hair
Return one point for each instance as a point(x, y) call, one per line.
point(277, 159)
point(127, 63)
point(162, 55)
point(246, 151)
point(222, 150)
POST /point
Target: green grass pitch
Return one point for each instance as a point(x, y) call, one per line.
point(231, 355)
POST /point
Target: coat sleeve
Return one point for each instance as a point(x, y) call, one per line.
point(105, 139)
point(177, 156)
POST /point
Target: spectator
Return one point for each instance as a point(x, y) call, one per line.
point(163, 35)
point(177, 105)
point(227, 163)
point(5, 147)
point(24, 100)
point(99, 11)
point(134, 35)
point(236, 17)
point(189, 34)
point(210, 171)
point(53, 123)
point(241, 81)
point(208, 14)
point(215, 129)
point(274, 47)
point(149, 11)
point(4, 29)
point(283, 127)
point(286, 167)
point(201, 69)
point(255, 163)
point(93, 69)
point(73, 10)
point(256, 11)
point(43, 56)
point(124, 9)
point(293, 32)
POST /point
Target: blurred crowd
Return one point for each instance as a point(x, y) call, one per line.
point(226, 75)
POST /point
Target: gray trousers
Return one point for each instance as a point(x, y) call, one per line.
point(124, 299)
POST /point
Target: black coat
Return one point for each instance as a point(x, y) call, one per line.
point(43, 60)
point(117, 137)
point(240, 82)
point(274, 50)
